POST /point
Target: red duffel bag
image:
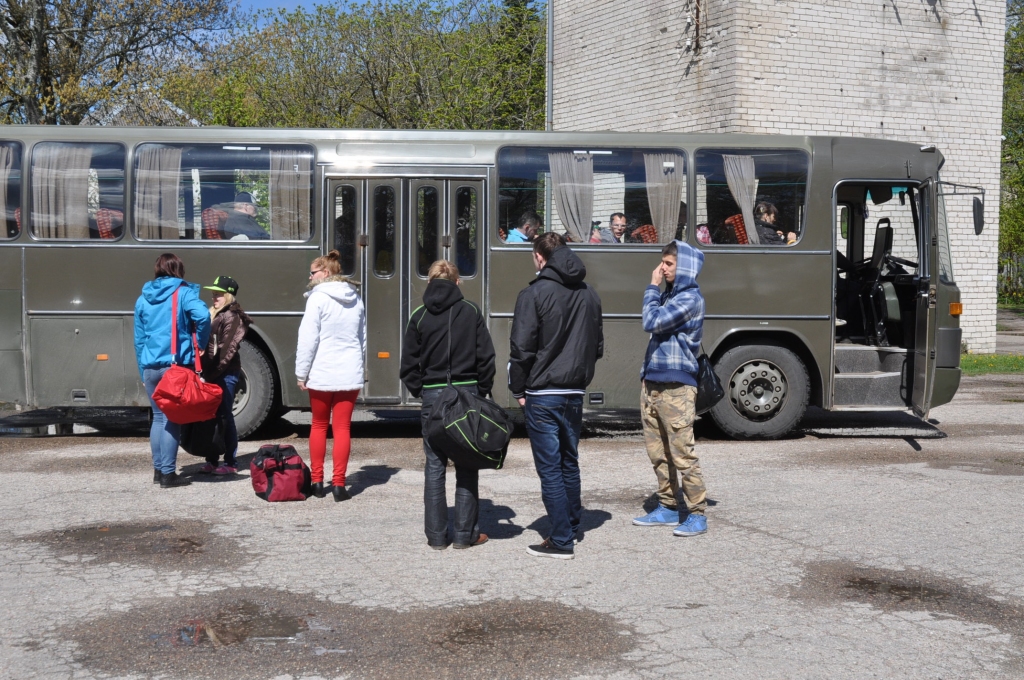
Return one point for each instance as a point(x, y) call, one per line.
point(279, 474)
point(182, 394)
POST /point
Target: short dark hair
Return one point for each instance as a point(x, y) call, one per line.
point(529, 219)
point(614, 215)
point(169, 264)
point(670, 249)
point(763, 209)
point(547, 243)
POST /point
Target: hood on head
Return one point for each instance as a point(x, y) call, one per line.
point(689, 261)
point(566, 266)
point(440, 295)
point(160, 290)
point(339, 288)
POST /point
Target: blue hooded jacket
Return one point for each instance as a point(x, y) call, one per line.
point(675, 320)
point(153, 323)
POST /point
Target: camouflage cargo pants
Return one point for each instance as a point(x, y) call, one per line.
point(667, 411)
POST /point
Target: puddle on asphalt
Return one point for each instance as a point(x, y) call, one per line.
point(831, 583)
point(179, 543)
point(251, 632)
point(996, 467)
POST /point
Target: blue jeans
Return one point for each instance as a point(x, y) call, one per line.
point(435, 502)
point(553, 423)
point(163, 434)
point(228, 383)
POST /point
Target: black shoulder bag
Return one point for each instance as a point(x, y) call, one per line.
point(471, 430)
point(709, 387)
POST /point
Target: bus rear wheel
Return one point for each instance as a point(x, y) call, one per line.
point(254, 399)
point(766, 391)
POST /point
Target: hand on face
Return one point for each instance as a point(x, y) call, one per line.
point(657, 276)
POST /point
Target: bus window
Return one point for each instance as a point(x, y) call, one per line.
point(465, 231)
point(750, 196)
point(10, 185)
point(345, 227)
point(427, 238)
point(383, 231)
point(600, 196)
point(223, 192)
point(77, 191)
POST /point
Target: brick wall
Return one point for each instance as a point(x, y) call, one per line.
point(925, 71)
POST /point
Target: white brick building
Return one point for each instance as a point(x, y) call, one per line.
point(927, 71)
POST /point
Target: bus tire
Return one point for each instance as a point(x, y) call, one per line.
point(254, 400)
point(750, 410)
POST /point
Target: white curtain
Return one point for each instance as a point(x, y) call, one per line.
point(157, 185)
point(290, 182)
point(742, 179)
point(666, 181)
point(60, 190)
point(572, 175)
point(6, 166)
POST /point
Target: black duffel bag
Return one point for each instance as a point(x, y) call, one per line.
point(205, 439)
point(470, 430)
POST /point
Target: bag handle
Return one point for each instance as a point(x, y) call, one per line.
point(174, 335)
point(450, 345)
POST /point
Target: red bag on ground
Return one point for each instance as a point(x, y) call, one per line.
point(279, 474)
point(182, 394)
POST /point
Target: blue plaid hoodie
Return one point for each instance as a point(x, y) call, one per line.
point(675, 320)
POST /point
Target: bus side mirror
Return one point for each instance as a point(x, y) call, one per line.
point(979, 215)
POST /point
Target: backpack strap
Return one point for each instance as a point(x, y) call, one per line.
point(450, 344)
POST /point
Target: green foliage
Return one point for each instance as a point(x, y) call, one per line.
point(471, 64)
point(980, 364)
point(1011, 212)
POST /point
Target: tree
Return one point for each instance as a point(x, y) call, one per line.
point(1011, 212)
point(471, 64)
point(61, 58)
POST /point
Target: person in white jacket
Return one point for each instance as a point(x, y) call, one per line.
point(329, 364)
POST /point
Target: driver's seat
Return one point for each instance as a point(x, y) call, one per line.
point(876, 295)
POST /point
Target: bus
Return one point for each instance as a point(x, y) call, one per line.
point(828, 276)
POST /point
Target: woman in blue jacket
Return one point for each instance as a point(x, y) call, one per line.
point(153, 352)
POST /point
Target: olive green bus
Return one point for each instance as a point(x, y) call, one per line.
point(828, 278)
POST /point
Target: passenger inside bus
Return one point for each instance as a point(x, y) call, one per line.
point(241, 224)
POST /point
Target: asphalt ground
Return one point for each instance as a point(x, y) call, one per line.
point(864, 546)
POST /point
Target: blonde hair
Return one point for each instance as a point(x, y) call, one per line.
point(443, 269)
point(225, 303)
point(331, 262)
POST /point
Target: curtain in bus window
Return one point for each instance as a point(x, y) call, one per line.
point(157, 184)
point(60, 191)
point(742, 180)
point(290, 180)
point(6, 166)
point(572, 175)
point(666, 182)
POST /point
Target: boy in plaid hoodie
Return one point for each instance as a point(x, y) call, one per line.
point(675, 320)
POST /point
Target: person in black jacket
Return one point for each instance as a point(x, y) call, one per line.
point(425, 362)
point(557, 338)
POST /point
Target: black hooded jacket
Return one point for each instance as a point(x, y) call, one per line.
point(425, 351)
point(557, 336)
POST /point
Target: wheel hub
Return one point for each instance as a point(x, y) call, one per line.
point(241, 395)
point(758, 389)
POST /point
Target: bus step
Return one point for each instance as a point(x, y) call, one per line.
point(865, 359)
point(877, 388)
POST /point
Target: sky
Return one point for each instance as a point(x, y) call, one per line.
point(277, 4)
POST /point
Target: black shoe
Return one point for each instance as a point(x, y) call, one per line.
point(157, 476)
point(546, 549)
point(173, 479)
point(340, 494)
point(318, 489)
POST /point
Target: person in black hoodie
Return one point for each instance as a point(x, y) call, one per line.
point(425, 373)
point(557, 338)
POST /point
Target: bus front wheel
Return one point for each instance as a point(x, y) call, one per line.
point(766, 391)
point(254, 399)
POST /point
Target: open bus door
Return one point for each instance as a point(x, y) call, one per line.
point(923, 364)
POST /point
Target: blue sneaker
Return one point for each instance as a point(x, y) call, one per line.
point(694, 525)
point(660, 515)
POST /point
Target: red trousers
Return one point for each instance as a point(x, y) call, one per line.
point(335, 409)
